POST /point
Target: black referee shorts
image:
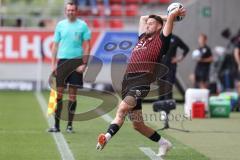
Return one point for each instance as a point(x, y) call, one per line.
point(66, 74)
point(136, 85)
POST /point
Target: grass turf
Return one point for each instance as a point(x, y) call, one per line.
point(23, 133)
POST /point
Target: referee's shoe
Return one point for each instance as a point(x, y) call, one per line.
point(53, 130)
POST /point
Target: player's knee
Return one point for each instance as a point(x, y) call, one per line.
point(129, 100)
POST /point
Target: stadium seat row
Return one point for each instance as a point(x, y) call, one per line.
point(99, 23)
point(116, 10)
point(121, 8)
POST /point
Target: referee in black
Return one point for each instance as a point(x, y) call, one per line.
point(170, 60)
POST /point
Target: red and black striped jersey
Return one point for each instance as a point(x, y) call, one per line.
point(147, 52)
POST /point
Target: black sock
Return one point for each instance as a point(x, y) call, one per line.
point(155, 137)
point(71, 110)
point(113, 129)
point(58, 113)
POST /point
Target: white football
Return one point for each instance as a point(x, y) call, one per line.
point(196, 55)
point(172, 7)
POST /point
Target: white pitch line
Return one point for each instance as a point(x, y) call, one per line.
point(104, 116)
point(150, 153)
point(107, 118)
point(61, 143)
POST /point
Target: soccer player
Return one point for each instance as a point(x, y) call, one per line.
point(69, 36)
point(203, 64)
point(153, 42)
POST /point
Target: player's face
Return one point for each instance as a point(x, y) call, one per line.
point(71, 11)
point(202, 41)
point(152, 26)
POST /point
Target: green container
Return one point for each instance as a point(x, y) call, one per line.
point(219, 107)
point(229, 95)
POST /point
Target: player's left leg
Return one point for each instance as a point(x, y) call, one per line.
point(124, 107)
point(139, 125)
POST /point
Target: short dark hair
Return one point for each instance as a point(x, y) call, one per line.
point(157, 18)
point(204, 36)
point(72, 3)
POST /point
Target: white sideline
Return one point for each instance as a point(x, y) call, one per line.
point(150, 153)
point(61, 143)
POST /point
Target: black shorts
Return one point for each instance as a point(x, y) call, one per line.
point(202, 75)
point(136, 85)
point(66, 74)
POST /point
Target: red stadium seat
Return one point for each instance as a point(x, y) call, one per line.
point(100, 10)
point(116, 10)
point(83, 13)
point(116, 23)
point(165, 1)
point(89, 22)
point(132, 10)
point(132, 1)
point(146, 1)
point(97, 23)
point(115, 1)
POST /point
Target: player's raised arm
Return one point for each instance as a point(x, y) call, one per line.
point(171, 18)
point(142, 25)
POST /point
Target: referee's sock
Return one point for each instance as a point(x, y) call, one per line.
point(71, 111)
point(112, 130)
point(58, 113)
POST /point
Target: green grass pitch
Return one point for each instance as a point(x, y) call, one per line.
point(23, 134)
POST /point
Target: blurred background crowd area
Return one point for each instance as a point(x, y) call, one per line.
point(97, 13)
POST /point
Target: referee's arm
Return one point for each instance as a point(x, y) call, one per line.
point(87, 48)
point(54, 55)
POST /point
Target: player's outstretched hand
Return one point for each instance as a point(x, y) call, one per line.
point(178, 12)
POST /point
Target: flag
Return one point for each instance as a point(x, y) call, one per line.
point(52, 103)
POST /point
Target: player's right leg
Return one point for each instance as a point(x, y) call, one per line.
point(118, 121)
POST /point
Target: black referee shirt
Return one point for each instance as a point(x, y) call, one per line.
point(175, 42)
